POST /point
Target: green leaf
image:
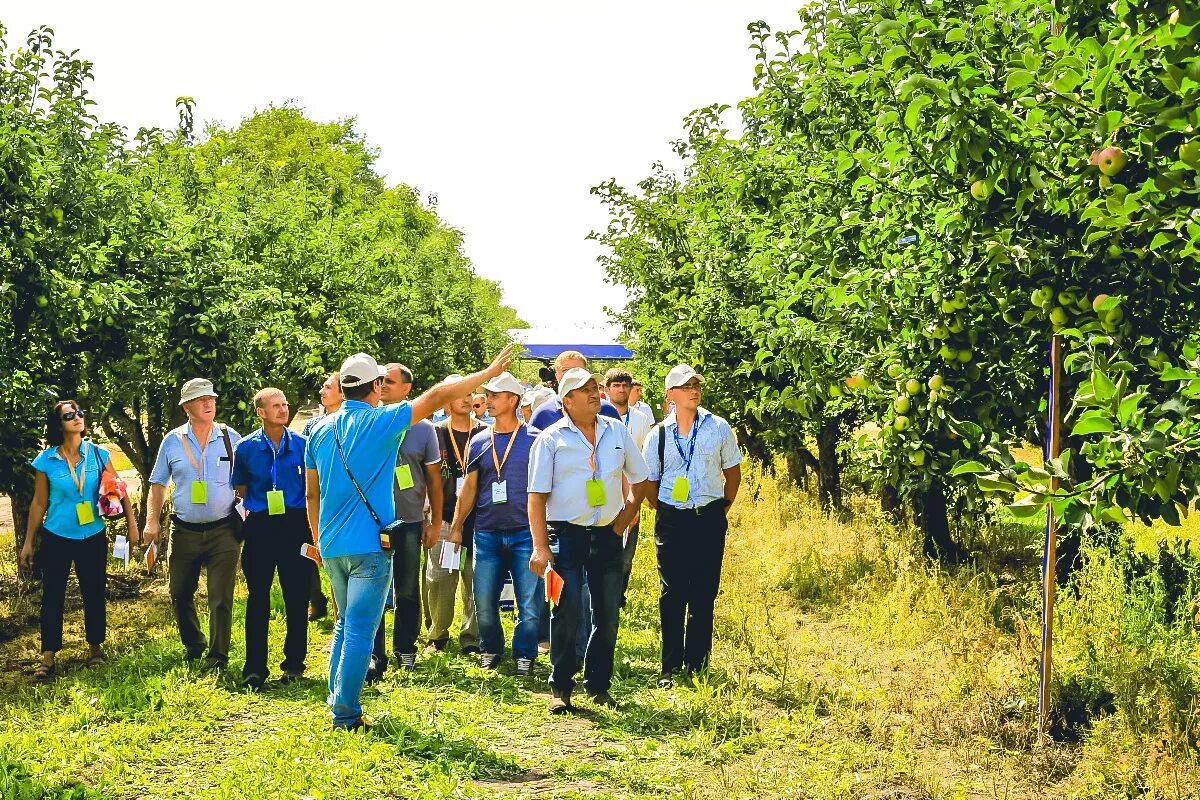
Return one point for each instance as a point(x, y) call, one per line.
point(1018, 79)
point(967, 468)
point(1102, 385)
point(1092, 422)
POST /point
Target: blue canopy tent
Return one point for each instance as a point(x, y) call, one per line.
point(543, 344)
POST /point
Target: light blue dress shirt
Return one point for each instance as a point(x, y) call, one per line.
point(559, 465)
point(64, 496)
point(716, 450)
point(174, 467)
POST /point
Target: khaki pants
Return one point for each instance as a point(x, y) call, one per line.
point(217, 550)
point(442, 587)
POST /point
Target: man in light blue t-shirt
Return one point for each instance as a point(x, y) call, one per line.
point(350, 463)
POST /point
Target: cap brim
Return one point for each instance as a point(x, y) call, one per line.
point(183, 400)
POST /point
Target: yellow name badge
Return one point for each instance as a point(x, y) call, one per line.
point(595, 492)
point(275, 501)
point(200, 492)
point(404, 478)
point(85, 514)
point(679, 492)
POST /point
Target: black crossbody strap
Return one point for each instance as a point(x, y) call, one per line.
point(337, 440)
point(662, 445)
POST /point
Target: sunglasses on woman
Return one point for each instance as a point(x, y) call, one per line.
point(70, 415)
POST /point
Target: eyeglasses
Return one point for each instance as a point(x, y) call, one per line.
point(70, 415)
point(690, 387)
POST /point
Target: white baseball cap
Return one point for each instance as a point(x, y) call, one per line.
point(360, 368)
point(505, 382)
point(194, 388)
point(680, 375)
point(572, 380)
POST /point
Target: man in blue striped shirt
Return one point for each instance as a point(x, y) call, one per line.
point(694, 466)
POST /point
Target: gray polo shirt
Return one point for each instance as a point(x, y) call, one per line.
point(419, 449)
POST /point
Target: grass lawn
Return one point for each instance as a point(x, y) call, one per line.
point(828, 682)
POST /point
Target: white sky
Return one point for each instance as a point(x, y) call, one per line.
point(508, 111)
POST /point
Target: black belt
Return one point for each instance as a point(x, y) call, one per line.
point(200, 527)
point(585, 528)
point(697, 511)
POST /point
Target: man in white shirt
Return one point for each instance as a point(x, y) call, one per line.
point(578, 515)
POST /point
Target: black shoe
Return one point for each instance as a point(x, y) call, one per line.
point(666, 681)
point(560, 702)
point(317, 612)
point(254, 682)
point(360, 725)
point(470, 650)
point(288, 678)
point(524, 667)
point(192, 656)
point(407, 661)
point(603, 699)
point(489, 660)
point(214, 665)
point(374, 671)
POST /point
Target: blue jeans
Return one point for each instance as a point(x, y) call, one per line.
point(360, 584)
point(596, 553)
point(496, 553)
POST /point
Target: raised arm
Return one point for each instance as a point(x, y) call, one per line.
point(441, 394)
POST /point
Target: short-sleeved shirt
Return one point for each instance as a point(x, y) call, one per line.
point(174, 466)
point(513, 514)
point(716, 450)
point(637, 422)
point(452, 470)
point(560, 466)
point(61, 516)
point(312, 424)
point(419, 449)
point(644, 407)
point(551, 412)
point(259, 467)
point(369, 438)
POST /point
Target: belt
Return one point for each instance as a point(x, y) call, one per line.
point(200, 527)
point(588, 528)
point(697, 511)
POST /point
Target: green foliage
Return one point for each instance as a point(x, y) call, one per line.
point(255, 255)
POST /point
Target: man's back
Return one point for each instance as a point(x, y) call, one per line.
point(370, 438)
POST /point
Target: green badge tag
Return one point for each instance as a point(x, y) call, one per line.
point(85, 513)
point(595, 492)
point(199, 492)
point(404, 478)
point(679, 492)
point(275, 501)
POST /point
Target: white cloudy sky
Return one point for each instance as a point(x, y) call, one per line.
point(508, 111)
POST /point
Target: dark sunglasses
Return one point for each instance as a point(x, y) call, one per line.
point(70, 415)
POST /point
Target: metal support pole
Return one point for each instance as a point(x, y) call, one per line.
point(1050, 552)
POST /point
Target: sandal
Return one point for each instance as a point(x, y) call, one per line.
point(44, 672)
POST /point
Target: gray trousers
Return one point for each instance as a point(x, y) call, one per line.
point(442, 587)
point(217, 551)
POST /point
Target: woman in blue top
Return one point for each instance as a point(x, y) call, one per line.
point(65, 508)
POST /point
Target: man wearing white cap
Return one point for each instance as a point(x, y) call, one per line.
point(351, 461)
point(197, 458)
point(495, 491)
point(578, 515)
point(694, 465)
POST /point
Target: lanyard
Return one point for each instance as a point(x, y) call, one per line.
point(458, 456)
point(78, 481)
point(188, 448)
point(625, 419)
point(687, 460)
point(592, 447)
point(500, 464)
point(275, 456)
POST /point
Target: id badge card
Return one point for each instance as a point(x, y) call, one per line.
point(199, 492)
point(404, 478)
point(679, 491)
point(458, 484)
point(499, 492)
point(385, 541)
point(84, 513)
point(275, 501)
point(595, 492)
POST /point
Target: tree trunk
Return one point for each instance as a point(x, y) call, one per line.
point(801, 464)
point(932, 517)
point(19, 502)
point(889, 503)
point(829, 471)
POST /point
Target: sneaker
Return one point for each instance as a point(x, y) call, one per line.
point(192, 656)
point(408, 661)
point(603, 699)
point(317, 612)
point(560, 702)
point(254, 682)
point(470, 650)
point(665, 681)
point(489, 660)
point(360, 725)
point(435, 647)
point(214, 665)
point(289, 678)
point(374, 671)
point(524, 667)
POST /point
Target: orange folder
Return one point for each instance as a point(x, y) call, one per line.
point(554, 586)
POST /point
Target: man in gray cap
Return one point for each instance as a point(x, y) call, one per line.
point(197, 459)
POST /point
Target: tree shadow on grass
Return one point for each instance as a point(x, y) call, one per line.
point(18, 783)
point(459, 756)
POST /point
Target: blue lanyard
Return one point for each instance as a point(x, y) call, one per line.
point(687, 460)
point(275, 457)
point(625, 419)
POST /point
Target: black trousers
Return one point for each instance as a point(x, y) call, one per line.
point(406, 596)
point(55, 557)
point(273, 544)
point(691, 546)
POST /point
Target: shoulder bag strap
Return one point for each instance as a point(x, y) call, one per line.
point(662, 447)
point(338, 441)
point(228, 448)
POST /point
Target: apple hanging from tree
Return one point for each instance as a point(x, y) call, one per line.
point(1110, 160)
